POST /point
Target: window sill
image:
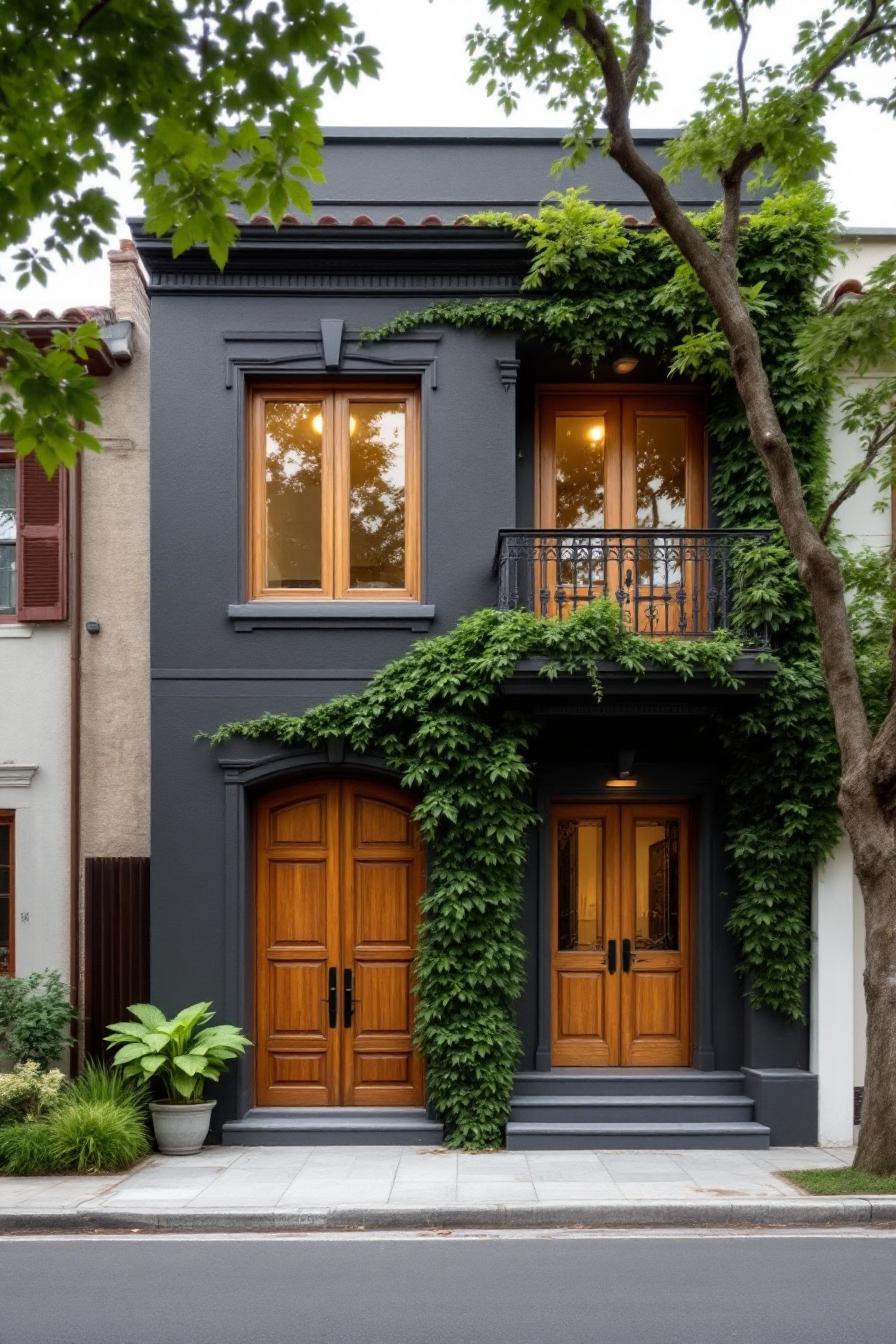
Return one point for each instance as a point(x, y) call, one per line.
point(331, 615)
point(14, 630)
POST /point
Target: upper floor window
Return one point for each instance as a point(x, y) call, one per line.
point(334, 491)
point(609, 461)
point(7, 536)
point(33, 539)
point(6, 893)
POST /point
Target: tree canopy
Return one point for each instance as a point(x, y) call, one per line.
point(219, 105)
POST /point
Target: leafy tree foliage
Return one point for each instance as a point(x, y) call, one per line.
point(219, 103)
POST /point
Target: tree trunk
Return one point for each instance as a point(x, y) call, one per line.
point(868, 778)
point(874, 848)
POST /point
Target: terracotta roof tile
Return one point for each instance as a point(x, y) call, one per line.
point(70, 317)
point(362, 222)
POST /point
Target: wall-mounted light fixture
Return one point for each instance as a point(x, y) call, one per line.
point(624, 777)
point(625, 364)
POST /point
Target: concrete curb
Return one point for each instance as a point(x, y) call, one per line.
point(817, 1211)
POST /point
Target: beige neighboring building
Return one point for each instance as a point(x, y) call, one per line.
point(74, 680)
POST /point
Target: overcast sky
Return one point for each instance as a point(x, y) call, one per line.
point(423, 83)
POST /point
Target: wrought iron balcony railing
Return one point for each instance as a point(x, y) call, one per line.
point(664, 581)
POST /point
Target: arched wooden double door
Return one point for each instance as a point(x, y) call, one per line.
point(339, 876)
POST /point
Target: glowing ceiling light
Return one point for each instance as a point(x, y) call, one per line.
point(596, 432)
point(625, 364)
point(317, 423)
point(624, 777)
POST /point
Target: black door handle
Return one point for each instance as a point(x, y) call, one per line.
point(611, 956)
point(626, 954)
point(348, 1003)
point(332, 998)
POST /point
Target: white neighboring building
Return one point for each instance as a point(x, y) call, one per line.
point(74, 557)
point(838, 999)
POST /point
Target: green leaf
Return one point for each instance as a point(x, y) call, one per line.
point(131, 1052)
point(190, 1064)
point(152, 1063)
point(146, 1013)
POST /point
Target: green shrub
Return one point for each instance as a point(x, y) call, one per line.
point(27, 1092)
point(93, 1136)
point(27, 1149)
point(97, 1082)
point(95, 1123)
point(35, 1017)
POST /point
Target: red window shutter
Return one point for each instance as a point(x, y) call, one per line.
point(41, 542)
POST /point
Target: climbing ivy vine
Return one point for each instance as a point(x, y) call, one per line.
point(436, 716)
point(596, 286)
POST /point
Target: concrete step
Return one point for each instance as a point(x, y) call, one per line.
point(313, 1126)
point(631, 1109)
point(628, 1082)
point(522, 1136)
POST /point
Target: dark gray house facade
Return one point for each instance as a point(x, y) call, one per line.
point(318, 504)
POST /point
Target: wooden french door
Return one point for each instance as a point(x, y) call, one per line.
point(621, 964)
point(624, 466)
point(339, 876)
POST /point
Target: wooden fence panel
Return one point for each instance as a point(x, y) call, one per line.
point(116, 929)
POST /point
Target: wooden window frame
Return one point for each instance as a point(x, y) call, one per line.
point(8, 818)
point(634, 399)
point(335, 485)
point(8, 459)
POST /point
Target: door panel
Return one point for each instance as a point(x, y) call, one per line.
point(339, 875)
point(585, 1004)
point(621, 934)
point(383, 882)
point(656, 876)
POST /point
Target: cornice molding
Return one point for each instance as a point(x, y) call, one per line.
point(248, 281)
point(344, 259)
point(249, 352)
point(13, 776)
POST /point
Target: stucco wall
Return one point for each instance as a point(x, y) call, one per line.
point(115, 592)
point(34, 718)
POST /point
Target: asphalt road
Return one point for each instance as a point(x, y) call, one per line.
point(449, 1290)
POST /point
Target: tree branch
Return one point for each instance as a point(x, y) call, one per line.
point(744, 26)
point(884, 436)
point(863, 32)
point(639, 56)
point(91, 14)
point(818, 566)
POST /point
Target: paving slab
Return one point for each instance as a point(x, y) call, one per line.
point(392, 1187)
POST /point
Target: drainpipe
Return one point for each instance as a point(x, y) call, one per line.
point(75, 978)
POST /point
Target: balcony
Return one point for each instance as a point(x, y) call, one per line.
point(665, 582)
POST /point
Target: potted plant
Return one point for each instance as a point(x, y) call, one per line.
point(183, 1053)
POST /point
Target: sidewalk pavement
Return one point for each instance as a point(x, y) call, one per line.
point(282, 1189)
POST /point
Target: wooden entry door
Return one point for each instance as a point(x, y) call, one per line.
point(339, 876)
point(621, 964)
